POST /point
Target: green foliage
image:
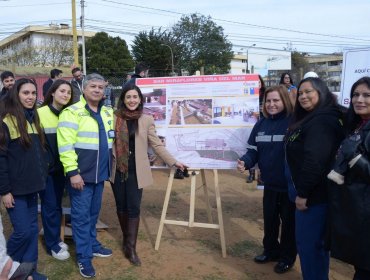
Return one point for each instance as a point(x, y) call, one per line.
point(108, 56)
point(150, 48)
point(300, 66)
point(203, 45)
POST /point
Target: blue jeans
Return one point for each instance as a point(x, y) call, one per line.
point(23, 242)
point(51, 210)
point(85, 208)
point(310, 231)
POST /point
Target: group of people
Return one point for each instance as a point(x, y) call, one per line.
point(314, 157)
point(77, 146)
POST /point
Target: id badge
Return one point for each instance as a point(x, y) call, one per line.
point(111, 134)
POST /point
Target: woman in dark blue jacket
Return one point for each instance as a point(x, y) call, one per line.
point(266, 147)
point(23, 170)
point(311, 144)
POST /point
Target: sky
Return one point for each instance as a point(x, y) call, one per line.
point(315, 26)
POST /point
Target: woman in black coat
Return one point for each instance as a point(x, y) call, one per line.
point(311, 144)
point(350, 197)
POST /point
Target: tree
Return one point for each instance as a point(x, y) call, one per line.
point(108, 56)
point(300, 65)
point(154, 48)
point(203, 44)
point(55, 51)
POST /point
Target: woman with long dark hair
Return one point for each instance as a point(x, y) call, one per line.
point(311, 144)
point(350, 197)
point(287, 81)
point(23, 169)
point(58, 97)
point(134, 132)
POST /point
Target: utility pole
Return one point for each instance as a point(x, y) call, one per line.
point(74, 31)
point(83, 35)
point(247, 70)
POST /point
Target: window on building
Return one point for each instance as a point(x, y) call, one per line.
point(334, 63)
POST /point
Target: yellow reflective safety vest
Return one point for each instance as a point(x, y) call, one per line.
point(49, 118)
point(78, 140)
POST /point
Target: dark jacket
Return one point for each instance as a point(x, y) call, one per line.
point(77, 90)
point(22, 170)
point(350, 211)
point(266, 147)
point(310, 153)
point(3, 93)
point(132, 81)
point(46, 86)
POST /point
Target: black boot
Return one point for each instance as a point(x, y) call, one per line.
point(130, 252)
point(252, 175)
point(123, 221)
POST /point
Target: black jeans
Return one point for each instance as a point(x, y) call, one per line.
point(278, 209)
point(127, 194)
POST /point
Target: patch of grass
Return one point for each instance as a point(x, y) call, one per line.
point(209, 244)
point(58, 270)
point(244, 249)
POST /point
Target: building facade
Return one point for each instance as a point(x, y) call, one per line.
point(40, 46)
point(329, 68)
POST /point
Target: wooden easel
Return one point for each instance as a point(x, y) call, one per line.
point(193, 173)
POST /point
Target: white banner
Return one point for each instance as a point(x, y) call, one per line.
point(356, 64)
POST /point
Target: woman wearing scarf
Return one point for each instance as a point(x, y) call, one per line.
point(134, 132)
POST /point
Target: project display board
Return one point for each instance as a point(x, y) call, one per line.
point(356, 64)
point(204, 121)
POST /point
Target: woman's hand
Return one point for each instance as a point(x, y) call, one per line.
point(300, 203)
point(180, 165)
point(77, 182)
point(8, 200)
point(240, 166)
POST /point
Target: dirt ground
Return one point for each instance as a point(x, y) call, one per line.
point(186, 253)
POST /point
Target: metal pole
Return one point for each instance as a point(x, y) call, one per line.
point(74, 30)
point(83, 36)
point(247, 70)
point(172, 65)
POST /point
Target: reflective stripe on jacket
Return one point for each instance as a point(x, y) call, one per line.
point(49, 123)
point(78, 140)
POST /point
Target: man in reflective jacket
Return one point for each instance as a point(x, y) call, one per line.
point(85, 135)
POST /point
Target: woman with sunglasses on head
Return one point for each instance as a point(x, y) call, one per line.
point(58, 97)
point(23, 170)
point(349, 199)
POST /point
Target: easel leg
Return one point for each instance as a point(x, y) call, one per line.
point(192, 197)
point(205, 189)
point(164, 210)
point(219, 213)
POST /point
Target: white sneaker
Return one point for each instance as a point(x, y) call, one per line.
point(63, 246)
point(61, 255)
